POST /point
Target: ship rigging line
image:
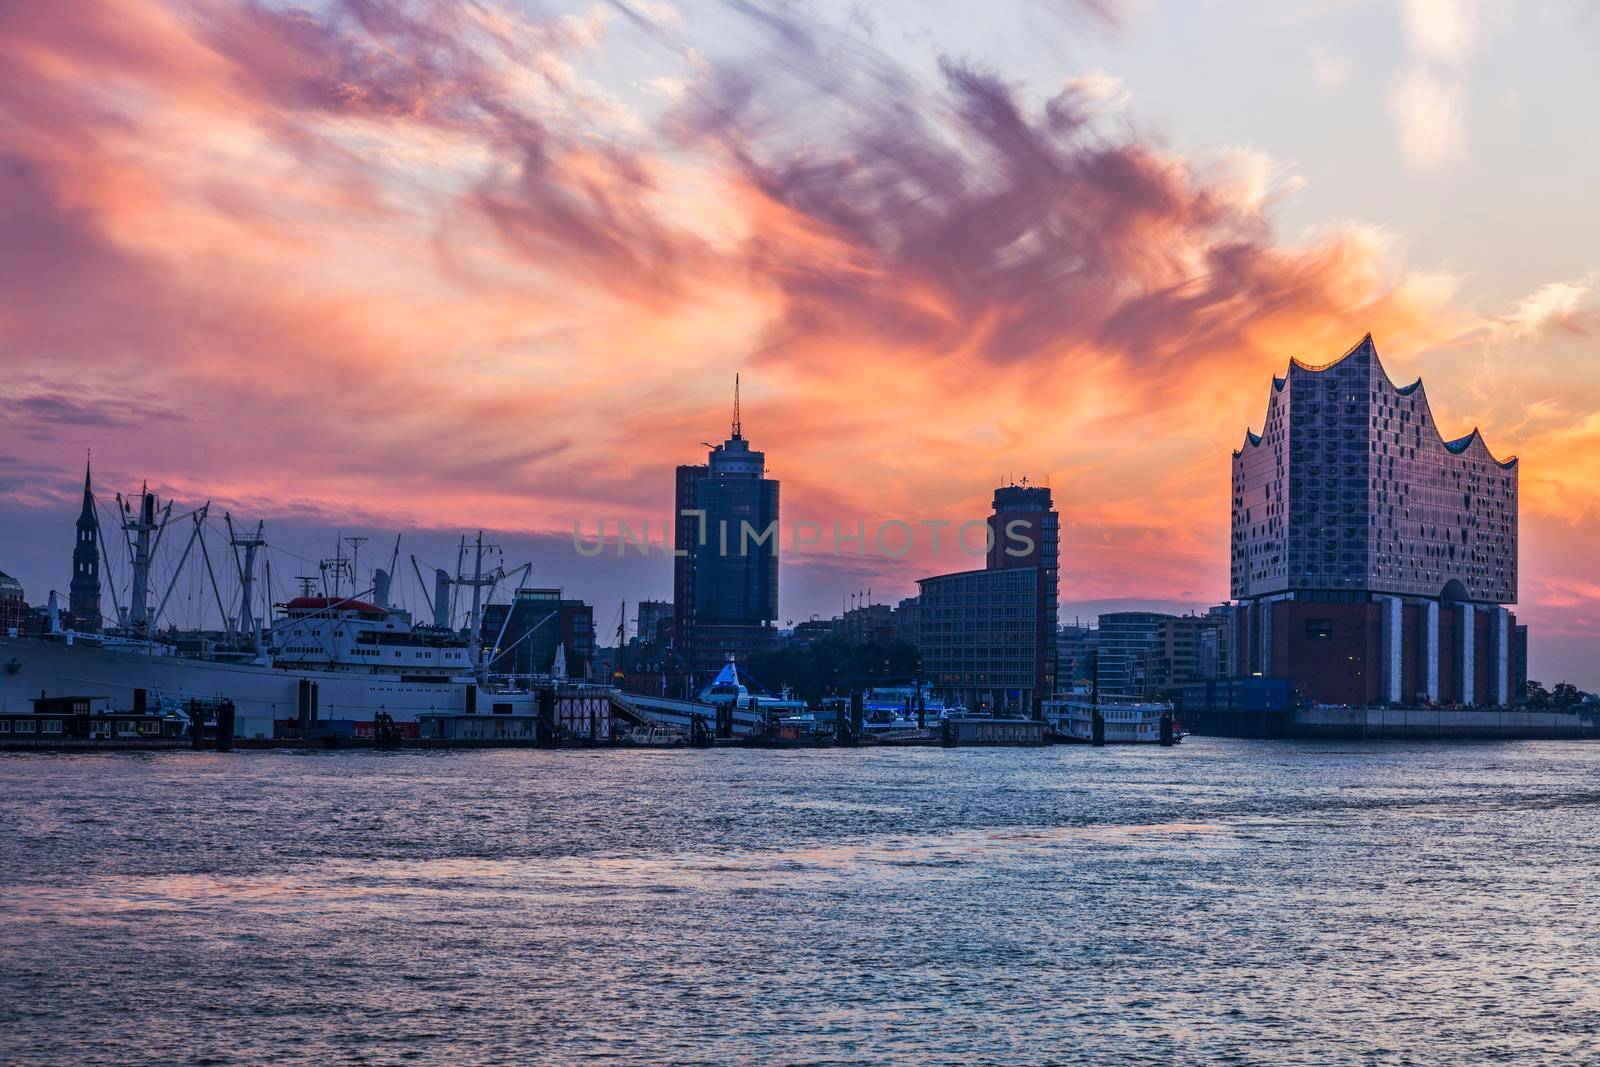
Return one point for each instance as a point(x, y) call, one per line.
point(531, 631)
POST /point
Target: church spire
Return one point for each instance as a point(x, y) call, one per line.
point(84, 599)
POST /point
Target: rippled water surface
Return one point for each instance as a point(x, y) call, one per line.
point(1236, 901)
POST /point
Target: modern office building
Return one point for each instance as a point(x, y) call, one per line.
point(1216, 652)
point(540, 621)
point(725, 576)
point(1076, 647)
point(988, 637)
point(13, 605)
point(1372, 558)
point(906, 614)
point(653, 620)
point(1126, 645)
point(1188, 648)
point(1026, 533)
point(978, 638)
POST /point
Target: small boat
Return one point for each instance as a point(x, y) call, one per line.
point(657, 736)
point(900, 733)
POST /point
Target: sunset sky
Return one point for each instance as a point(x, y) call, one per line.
point(389, 267)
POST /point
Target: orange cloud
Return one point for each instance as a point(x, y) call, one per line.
point(403, 260)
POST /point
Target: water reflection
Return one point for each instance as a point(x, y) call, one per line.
point(1243, 900)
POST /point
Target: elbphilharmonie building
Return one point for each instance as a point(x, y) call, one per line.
point(1373, 558)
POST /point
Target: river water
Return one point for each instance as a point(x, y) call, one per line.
point(1234, 901)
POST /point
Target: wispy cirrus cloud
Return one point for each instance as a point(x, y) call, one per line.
point(1330, 68)
point(1428, 99)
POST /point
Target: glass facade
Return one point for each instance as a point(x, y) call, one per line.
point(725, 588)
point(1350, 488)
point(978, 631)
point(1126, 642)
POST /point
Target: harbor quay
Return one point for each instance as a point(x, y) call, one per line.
point(1373, 567)
point(568, 715)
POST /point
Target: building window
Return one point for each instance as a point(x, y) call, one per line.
point(1319, 629)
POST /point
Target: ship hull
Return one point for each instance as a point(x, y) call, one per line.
point(262, 696)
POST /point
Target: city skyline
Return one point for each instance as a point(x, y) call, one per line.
point(257, 262)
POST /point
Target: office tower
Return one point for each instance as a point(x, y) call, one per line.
point(988, 637)
point(725, 576)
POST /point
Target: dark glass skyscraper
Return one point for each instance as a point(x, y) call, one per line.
point(1372, 557)
point(725, 577)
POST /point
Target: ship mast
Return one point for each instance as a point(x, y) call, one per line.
point(141, 525)
point(478, 581)
point(248, 624)
point(339, 565)
point(355, 544)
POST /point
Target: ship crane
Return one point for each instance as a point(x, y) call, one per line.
point(245, 566)
point(137, 528)
point(478, 583)
point(195, 535)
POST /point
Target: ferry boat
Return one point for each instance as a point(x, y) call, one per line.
point(1127, 722)
point(747, 713)
point(890, 716)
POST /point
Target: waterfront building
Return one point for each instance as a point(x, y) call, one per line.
point(1076, 644)
point(988, 637)
point(1026, 533)
point(83, 597)
point(809, 631)
point(1189, 648)
point(1373, 559)
point(1180, 654)
point(1519, 663)
point(904, 623)
point(725, 575)
point(653, 620)
point(1126, 645)
point(1217, 646)
point(540, 622)
point(866, 624)
point(13, 605)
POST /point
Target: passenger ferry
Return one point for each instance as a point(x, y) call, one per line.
point(1127, 722)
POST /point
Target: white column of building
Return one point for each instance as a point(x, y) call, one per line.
point(1393, 620)
point(1432, 654)
point(1502, 628)
point(1266, 638)
point(1468, 665)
